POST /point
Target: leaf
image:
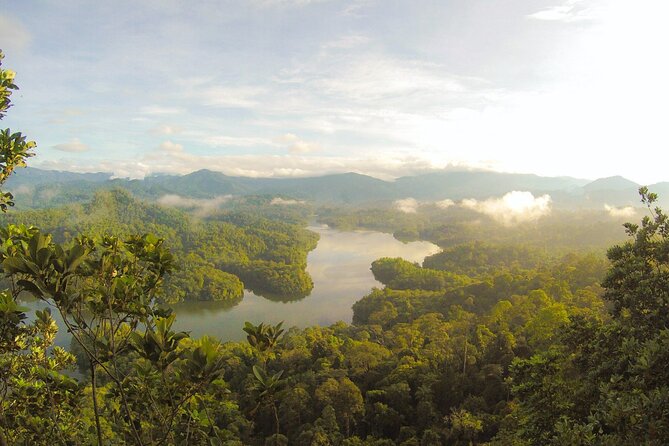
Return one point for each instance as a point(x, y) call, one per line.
point(13, 265)
point(259, 374)
point(75, 256)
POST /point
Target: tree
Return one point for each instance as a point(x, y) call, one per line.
point(36, 400)
point(638, 281)
point(26, 397)
point(105, 289)
point(14, 148)
point(605, 383)
point(346, 399)
point(267, 387)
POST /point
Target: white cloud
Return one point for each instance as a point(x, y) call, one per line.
point(14, 36)
point(346, 42)
point(23, 189)
point(620, 212)
point(74, 146)
point(234, 97)
point(372, 77)
point(159, 110)
point(286, 3)
point(285, 201)
point(171, 148)
point(406, 205)
point(569, 11)
point(513, 207)
point(364, 85)
point(354, 7)
point(297, 145)
point(236, 141)
point(201, 206)
point(444, 204)
point(166, 130)
point(369, 96)
point(173, 158)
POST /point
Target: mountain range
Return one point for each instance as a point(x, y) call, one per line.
point(39, 188)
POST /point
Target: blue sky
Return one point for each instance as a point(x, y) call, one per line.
point(306, 87)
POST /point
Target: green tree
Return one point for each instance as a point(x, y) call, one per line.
point(14, 148)
point(605, 383)
point(267, 387)
point(638, 281)
point(346, 399)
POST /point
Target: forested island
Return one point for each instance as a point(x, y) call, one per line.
point(215, 257)
point(523, 334)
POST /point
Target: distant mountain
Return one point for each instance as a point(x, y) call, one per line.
point(662, 189)
point(611, 183)
point(31, 176)
point(339, 188)
point(480, 184)
point(39, 188)
point(612, 191)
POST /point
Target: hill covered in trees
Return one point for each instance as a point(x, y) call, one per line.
point(483, 344)
point(40, 188)
point(216, 257)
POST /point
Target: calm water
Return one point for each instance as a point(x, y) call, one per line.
point(339, 267)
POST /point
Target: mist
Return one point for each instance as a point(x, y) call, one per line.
point(202, 207)
point(513, 207)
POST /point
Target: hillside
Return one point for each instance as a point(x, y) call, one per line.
point(41, 188)
point(217, 257)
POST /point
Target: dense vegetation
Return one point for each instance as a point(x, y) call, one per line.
point(217, 256)
point(485, 343)
point(562, 231)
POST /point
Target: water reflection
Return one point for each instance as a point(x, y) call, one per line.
point(339, 267)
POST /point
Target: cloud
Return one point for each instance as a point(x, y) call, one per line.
point(74, 146)
point(166, 130)
point(569, 11)
point(444, 204)
point(373, 77)
point(14, 36)
point(346, 42)
point(367, 96)
point(23, 189)
point(285, 201)
point(159, 110)
point(236, 141)
point(354, 7)
point(513, 207)
point(232, 97)
point(171, 148)
point(286, 3)
point(171, 157)
point(297, 145)
point(361, 85)
point(620, 212)
point(48, 194)
point(406, 205)
point(201, 206)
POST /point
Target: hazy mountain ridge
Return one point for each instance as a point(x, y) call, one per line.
point(45, 187)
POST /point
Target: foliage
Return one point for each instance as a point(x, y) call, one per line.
point(215, 258)
point(495, 343)
point(605, 385)
point(14, 148)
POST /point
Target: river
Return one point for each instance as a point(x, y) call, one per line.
point(340, 269)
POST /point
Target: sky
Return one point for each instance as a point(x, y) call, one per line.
point(308, 87)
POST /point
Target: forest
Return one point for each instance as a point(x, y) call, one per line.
point(491, 341)
point(215, 257)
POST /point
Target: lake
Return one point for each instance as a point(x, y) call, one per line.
point(340, 269)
